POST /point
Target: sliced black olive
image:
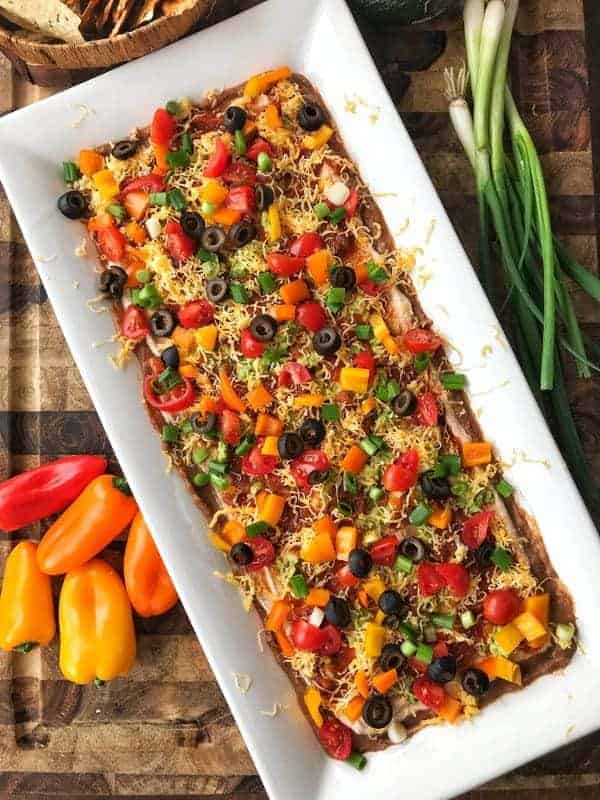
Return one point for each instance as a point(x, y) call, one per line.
point(318, 476)
point(360, 562)
point(413, 548)
point(112, 281)
point(216, 289)
point(290, 446)
point(241, 553)
point(193, 225)
point(483, 553)
point(204, 424)
point(433, 487)
point(390, 602)
point(125, 149)
point(391, 657)
point(337, 611)
point(234, 119)
point(170, 357)
point(162, 323)
point(475, 682)
point(377, 711)
point(393, 621)
point(72, 204)
point(265, 196)
point(327, 341)
point(311, 116)
point(263, 327)
point(242, 232)
point(213, 238)
point(312, 432)
point(343, 278)
point(405, 403)
point(442, 670)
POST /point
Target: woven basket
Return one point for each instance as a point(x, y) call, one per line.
point(61, 65)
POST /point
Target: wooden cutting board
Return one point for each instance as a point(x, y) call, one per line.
point(166, 731)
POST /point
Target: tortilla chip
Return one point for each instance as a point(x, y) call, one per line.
point(171, 8)
point(51, 17)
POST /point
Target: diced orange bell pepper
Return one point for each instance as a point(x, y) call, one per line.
point(354, 379)
point(132, 264)
point(207, 405)
point(325, 525)
point(214, 192)
point(508, 638)
point(286, 647)
point(368, 405)
point(260, 83)
point(476, 453)
point(99, 222)
point(271, 509)
point(188, 371)
point(219, 543)
point(354, 708)
point(185, 340)
point(450, 710)
point(440, 518)
point(233, 531)
point(384, 681)
point(266, 425)
point(345, 541)
point(294, 292)
point(500, 667)
point(230, 397)
point(259, 397)
point(354, 460)
point(317, 597)
point(226, 216)
point(135, 233)
point(374, 639)
point(362, 683)
point(379, 617)
point(318, 550)
point(317, 139)
point(207, 336)
point(269, 447)
point(362, 272)
point(283, 312)
point(249, 130)
point(363, 598)
point(309, 401)
point(160, 156)
point(317, 265)
point(539, 606)
point(105, 183)
point(272, 117)
point(312, 701)
point(89, 161)
point(277, 616)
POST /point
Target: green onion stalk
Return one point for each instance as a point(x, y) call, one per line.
point(515, 221)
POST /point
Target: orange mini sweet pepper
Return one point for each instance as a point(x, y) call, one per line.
point(97, 637)
point(147, 581)
point(26, 606)
point(97, 517)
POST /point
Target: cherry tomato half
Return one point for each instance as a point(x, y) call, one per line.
point(255, 463)
point(293, 374)
point(310, 461)
point(263, 551)
point(250, 346)
point(134, 324)
point(336, 739)
point(384, 551)
point(307, 637)
point(403, 473)
point(218, 161)
point(306, 245)
point(475, 529)
point(421, 340)
point(427, 411)
point(111, 243)
point(311, 315)
point(162, 128)
point(284, 266)
point(196, 314)
point(231, 426)
point(429, 693)
point(501, 606)
point(456, 578)
point(180, 247)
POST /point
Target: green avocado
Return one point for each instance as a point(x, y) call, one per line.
point(401, 12)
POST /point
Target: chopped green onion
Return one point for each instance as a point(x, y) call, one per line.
point(273, 355)
point(158, 198)
point(364, 332)
point(201, 479)
point(408, 631)
point(70, 172)
point(408, 648)
point(173, 108)
point(421, 361)
point(345, 508)
point(219, 482)
point(117, 211)
point(336, 298)
point(122, 485)
point(169, 378)
point(187, 144)
point(177, 159)
point(26, 647)
point(208, 209)
point(176, 199)
point(459, 489)
point(239, 143)
point(222, 453)
point(501, 558)
point(267, 282)
point(350, 483)
point(149, 294)
point(370, 445)
point(322, 210)
point(377, 274)
point(206, 255)
point(403, 564)
point(565, 631)
point(467, 620)
point(143, 275)
point(170, 433)
point(245, 445)
point(338, 216)
point(504, 488)
point(424, 653)
point(453, 382)
point(186, 426)
point(299, 586)
point(376, 493)
point(239, 293)
point(443, 620)
point(264, 163)
point(387, 390)
point(430, 634)
point(420, 514)
point(356, 760)
point(451, 464)
point(330, 412)
point(199, 455)
point(256, 529)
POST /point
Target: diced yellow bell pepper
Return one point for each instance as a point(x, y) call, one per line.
point(354, 379)
point(379, 617)
point(508, 670)
point(317, 597)
point(529, 626)
point(269, 447)
point(207, 337)
point(450, 710)
point(317, 139)
point(220, 543)
point(391, 345)
point(318, 550)
point(258, 84)
point(273, 226)
point(374, 587)
point(380, 328)
point(309, 401)
point(213, 192)
point(312, 701)
point(105, 183)
point(345, 541)
point(271, 509)
point(233, 531)
point(508, 638)
point(374, 639)
point(441, 518)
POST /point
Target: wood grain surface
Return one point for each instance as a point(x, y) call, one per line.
point(166, 731)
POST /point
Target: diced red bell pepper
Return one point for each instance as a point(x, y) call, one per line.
point(384, 551)
point(293, 374)
point(218, 161)
point(283, 265)
point(311, 315)
point(231, 426)
point(162, 128)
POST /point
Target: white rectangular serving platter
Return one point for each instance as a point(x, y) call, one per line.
point(318, 38)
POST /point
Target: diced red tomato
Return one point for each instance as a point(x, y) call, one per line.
point(311, 315)
point(111, 243)
point(501, 606)
point(430, 580)
point(231, 426)
point(241, 198)
point(284, 266)
point(351, 203)
point(136, 203)
point(293, 374)
point(306, 245)
point(257, 147)
point(255, 463)
point(134, 324)
point(343, 577)
point(263, 551)
point(371, 288)
point(180, 246)
point(195, 314)
point(429, 693)
point(310, 461)
point(417, 665)
point(182, 396)
point(336, 739)
point(475, 529)
point(384, 551)
point(440, 649)
point(456, 578)
point(218, 161)
point(147, 183)
point(365, 360)
point(250, 346)
point(421, 340)
point(240, 172)
point(163, 127)
point(403, 473)
point(427, 411)
point(307, 637)
point(333, 640)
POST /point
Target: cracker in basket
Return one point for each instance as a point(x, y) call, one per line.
point(171, 8)
point(50, 17)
